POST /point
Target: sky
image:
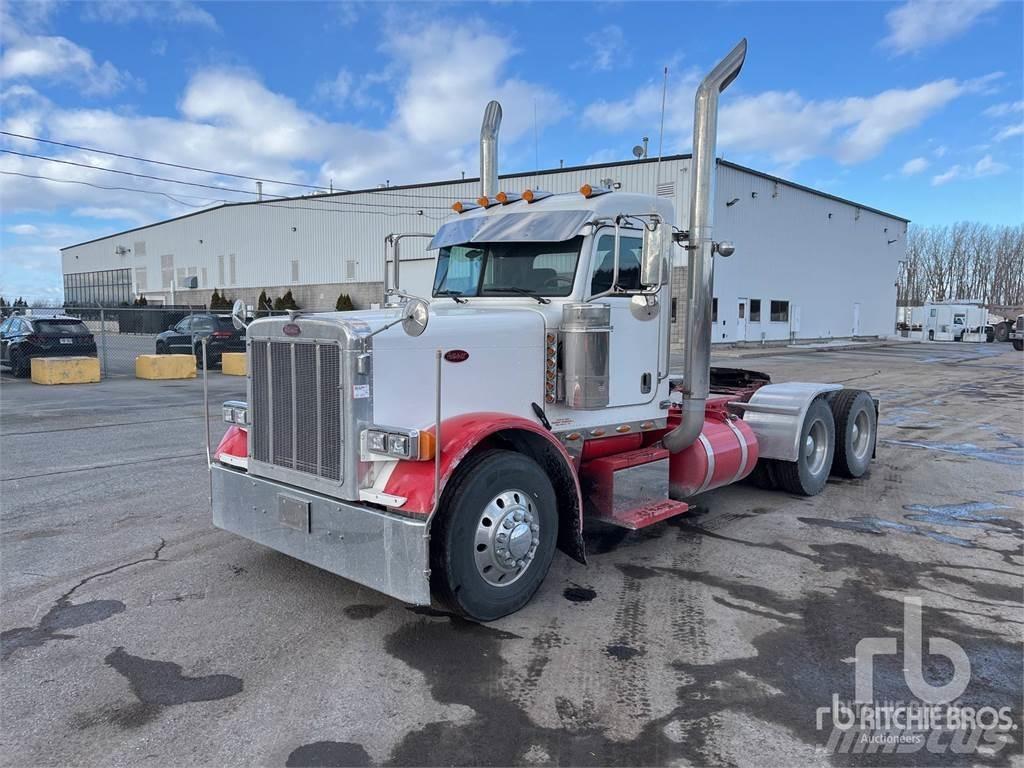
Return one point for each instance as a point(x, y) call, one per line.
point(912, 107)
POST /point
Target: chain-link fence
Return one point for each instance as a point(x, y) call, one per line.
point(123, 333)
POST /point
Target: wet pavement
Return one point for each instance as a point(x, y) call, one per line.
point(135, 633)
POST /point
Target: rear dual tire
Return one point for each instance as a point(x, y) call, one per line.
point(856, 432)
point(816, 448)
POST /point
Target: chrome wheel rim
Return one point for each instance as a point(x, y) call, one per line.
point(861, 434)
point(507, 537)
point(816, 447)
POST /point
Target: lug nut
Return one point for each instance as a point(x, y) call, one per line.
point(518, 516)
point(507, 523)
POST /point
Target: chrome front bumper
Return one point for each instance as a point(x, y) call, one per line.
point(382, 551)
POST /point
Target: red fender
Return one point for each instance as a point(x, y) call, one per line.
point(414, 480)
point(234, 443)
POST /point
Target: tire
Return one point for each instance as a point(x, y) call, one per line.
point(1002, 332)
point(763, 476)
point(161, 348)
point(856, 432)
point(808, 474)
point(1018, 344)
point(20, 366)
point(482, 502)
point(931, 335)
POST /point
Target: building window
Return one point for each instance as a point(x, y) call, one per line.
point(714, 310)
point(166, 270)
point(673, 309)
point(140, 279)
point(204, 282)
point(780, 311)
point(755, 310)
point(295, 270)
point(231, 269)
point(350, 270)
point(108, 288)
point(220, 270)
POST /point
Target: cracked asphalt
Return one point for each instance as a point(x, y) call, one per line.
point(134, 632)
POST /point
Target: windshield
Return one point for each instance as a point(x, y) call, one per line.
point(62, 327)
point(507, 269)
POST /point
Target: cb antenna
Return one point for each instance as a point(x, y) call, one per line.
point(661, 131)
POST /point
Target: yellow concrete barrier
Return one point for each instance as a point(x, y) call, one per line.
point(233, 363)
point(165, 367)
point(65, 370)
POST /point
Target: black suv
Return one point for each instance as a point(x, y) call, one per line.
point(23, 337)
point(185, 338)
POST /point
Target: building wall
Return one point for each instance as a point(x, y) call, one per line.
point(821, 255)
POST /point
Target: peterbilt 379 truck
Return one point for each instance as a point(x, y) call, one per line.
point(445, 447)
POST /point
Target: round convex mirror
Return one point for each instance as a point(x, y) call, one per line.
point(417, 314)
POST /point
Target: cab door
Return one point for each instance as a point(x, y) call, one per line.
point(3, 338)
point(181, 342)
point(636, 336)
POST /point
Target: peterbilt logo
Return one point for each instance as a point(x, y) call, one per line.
point(456, 355)
point(291, 329)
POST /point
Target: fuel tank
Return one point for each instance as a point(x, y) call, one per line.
point(725, 453)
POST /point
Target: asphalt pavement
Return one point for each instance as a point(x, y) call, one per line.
point(134, 633)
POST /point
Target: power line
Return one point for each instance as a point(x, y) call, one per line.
point(164, 179)
point(325, 190)
point(121, 189)
point(192, 205)
point(160, 162)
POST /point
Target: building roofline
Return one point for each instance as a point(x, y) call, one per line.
point(524, 174)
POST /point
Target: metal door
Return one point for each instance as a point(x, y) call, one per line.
point(741, 320)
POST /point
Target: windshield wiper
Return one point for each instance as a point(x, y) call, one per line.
point(454, 295)
point(521, 291)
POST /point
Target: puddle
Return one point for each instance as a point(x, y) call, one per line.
point(1011, 455)
point(878, 527)
point(972, 513)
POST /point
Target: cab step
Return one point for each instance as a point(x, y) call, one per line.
point(629, 489)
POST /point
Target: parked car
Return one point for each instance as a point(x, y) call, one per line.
point(186, 338)
point(23, 337)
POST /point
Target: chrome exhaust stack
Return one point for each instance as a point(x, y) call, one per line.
point(489, 149)
point(701, 272)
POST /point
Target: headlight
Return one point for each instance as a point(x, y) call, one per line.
point(236, 412)
point(376, 442)
point(398, 443)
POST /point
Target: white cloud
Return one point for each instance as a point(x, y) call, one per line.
point(337, 89)
point(1004, 109)
point(914, 166)
point(126, 11)
point(23, 229)
point(986, 166)
point(53, 58)
point(940, 151)
point(919, 24)
point(784, 125)
point(1010, 131)
point(608, 50)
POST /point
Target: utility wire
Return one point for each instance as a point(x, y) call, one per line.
point(121, 189)
point(269, 204)
point(324, 190)
point(210, 186)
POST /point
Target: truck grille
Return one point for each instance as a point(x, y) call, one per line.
point(296, 410)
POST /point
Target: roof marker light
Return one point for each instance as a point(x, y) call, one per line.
point(461, 206)
point(588, 191)
point(486, 202)
point(533, 195)
point(507, 197)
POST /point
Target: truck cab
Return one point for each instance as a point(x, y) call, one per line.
point(443, 447)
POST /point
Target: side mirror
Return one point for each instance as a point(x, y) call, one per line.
point(238, 315)
point(652, 257)
point(171, 327)
point(415, 317)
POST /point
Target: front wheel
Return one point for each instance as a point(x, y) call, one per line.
point(1018, 344)
point(495, 536)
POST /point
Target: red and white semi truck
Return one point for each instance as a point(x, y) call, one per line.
point(444, 448)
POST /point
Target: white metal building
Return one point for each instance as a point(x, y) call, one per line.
point(808, 265)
